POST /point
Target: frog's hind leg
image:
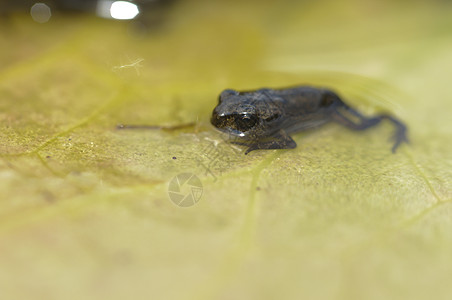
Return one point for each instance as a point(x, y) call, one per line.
point(278, 141)
point(340, 116)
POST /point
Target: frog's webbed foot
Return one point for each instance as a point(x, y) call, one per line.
point(278, 141)
point(399, 136)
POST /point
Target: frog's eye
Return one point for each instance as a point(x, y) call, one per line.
point(246, 122)
point(272, 117)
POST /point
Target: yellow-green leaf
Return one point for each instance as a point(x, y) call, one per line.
point(84, 207)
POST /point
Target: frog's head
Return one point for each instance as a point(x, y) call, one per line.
point(239, 114)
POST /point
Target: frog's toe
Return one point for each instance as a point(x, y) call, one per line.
point(399, 138)
point(250, 149)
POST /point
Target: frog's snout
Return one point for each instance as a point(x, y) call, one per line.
point(214, 120)
point(220, 120)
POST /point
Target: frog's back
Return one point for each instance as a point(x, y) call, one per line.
point(303, 99)
point(302, 93)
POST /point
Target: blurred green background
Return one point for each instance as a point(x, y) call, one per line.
point(84, 208)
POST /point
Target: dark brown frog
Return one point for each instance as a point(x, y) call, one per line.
point(264, 118)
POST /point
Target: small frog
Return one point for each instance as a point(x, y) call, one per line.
point(264, 118)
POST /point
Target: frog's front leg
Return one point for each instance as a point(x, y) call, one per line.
point(281, 140)
point(367, 122)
